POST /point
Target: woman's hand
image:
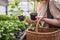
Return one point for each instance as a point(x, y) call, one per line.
point(38, 19)
point(42, 18)
point(54, 22)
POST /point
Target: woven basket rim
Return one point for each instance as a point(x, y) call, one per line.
point(42, 33)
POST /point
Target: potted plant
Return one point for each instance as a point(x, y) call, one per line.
point(20, 11)
point(21, 17)
point(34, 13)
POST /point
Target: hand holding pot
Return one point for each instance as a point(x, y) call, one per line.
point(40, 17)
point(37, 19)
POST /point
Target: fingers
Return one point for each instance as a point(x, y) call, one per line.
point(39, 17)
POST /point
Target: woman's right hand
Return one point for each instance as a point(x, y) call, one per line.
point(40, 17)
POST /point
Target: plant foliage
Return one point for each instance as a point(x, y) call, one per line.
point(16, 5)
point(10, 26)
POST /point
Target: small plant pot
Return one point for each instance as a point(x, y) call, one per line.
point(21, 17)
point(33, 16)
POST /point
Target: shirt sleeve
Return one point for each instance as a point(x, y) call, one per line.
point(57, 4)
point(54, 11)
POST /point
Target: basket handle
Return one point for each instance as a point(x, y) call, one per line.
point(37, 24)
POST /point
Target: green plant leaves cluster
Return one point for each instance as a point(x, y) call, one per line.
point(9, 27)
point(6, 17)
point(32, 27)
point(16, 5)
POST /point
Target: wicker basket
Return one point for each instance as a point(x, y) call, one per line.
point(43, 34)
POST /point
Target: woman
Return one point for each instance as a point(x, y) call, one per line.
point(53, 14)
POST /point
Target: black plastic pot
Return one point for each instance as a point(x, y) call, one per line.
point(21, 17)
point(33, 16)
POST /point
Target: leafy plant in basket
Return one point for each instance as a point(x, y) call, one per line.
point(20, 11)
point(32, 27)
point(34, 13)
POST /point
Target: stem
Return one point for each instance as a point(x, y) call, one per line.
point(34, 5)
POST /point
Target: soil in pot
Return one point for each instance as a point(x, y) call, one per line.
point(21, 17)
point(33, 16)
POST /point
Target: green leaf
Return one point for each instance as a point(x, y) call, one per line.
point(34, 11)
point(17, 2)
point(31, 26)
point(19, 9)
point(12, 34)
point(12, 5)
point(31, 3)
point(11, 10)
point(0, 36)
